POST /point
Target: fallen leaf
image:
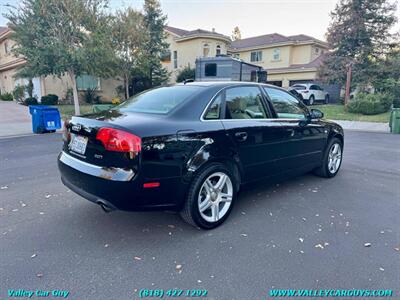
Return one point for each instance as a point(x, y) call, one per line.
point(33, 255)
point(319, 246)
point(199, 281)
point(47, 196)
point(304, 219)
point(397, 248)
point(40, 275)
point(137, 258)
point(16, 209)
point(382, 269)
point(178, 267)
point(4, 187)
point(171, 226)
point(326, 244)
point(41, 213)
point(301, 240)
point(23, 204)
point(106, 245)
point(301, 251)
point(367, 245)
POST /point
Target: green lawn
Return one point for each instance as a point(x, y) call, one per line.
point(337, 112)
point(68, 111)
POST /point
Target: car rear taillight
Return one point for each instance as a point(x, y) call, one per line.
point(119, 140)
point(66, 133)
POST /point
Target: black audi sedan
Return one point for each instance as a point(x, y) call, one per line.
point(189, 147)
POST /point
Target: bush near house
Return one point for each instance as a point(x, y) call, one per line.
point(371, 104)
point(49, 99)
point(30, 101)
point(6, 97)
point(90, 96)
point(185, 73)
point(19, 93)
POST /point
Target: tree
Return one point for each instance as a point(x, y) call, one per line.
point(155, 44)
point(236, 34)
point(63, 37)
point(359, 34)
point(129, 34)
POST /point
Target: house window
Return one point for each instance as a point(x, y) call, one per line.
point(85, 82)
point(276, 54)
point(210, 70)
point(316, 50)
point(256, 56)
point(6, 48)
point(206, 50)
point(218, 50)
point(166, 56)
point(175, 59)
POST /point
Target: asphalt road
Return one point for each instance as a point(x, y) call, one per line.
point(51, 239)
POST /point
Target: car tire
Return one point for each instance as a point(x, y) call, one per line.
point(311, 100)
point(205, 185)
point(332, 159)
point(326, 99)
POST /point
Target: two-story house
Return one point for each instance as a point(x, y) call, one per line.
point(288, 59)
point(185, 46)
point(9, 64)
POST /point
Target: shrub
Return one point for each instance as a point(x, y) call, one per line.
point(6, 97)
point(370, 104)
point(19, 93)
point(90, 96)
point(49, 99)
point(185, 73)
point(30, 101)
point(116, 101)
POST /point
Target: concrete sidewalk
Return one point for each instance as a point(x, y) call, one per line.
point(364, 126)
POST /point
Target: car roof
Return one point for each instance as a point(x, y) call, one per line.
point(225, 83)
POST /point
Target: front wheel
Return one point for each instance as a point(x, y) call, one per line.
point(332, 159)
point(210, 197)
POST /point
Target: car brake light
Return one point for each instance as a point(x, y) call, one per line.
point(151, 185)
point(120, 141)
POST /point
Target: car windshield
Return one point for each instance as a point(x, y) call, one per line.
point(158, 101)
point(299, 87)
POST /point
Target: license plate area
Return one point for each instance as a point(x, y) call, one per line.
point(78, 144)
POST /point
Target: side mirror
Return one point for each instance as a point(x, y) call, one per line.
point(316, 114)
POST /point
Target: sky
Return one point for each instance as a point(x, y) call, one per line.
point(254, 17)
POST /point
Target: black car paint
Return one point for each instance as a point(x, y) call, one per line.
point(176, 146)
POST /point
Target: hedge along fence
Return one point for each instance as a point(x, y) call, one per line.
point(371, 104)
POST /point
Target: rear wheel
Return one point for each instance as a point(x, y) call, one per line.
point(210, 197)
point(332, 159)
point(311, 100)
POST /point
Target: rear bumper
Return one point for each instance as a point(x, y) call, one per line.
point(117, 188)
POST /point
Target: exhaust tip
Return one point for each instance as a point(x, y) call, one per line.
point(105, 207)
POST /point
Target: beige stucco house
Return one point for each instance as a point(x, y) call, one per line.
point(49, 84)
point(185, 46)
point(287, 59)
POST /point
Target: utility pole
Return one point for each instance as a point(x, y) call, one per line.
point(348, 83)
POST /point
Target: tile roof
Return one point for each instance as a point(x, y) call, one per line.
point(270, 39)
point(187, 33)
point(3, 29)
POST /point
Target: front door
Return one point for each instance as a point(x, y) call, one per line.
point(305, 140)
point(248, 124)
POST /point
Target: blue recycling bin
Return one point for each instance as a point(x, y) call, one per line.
point(44, 118)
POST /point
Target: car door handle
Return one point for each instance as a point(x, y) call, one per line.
point(241, 136)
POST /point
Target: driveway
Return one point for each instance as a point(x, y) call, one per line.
point(14, 119)
point(304, 233)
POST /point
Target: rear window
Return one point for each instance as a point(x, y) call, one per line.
point(299, 87)
point(158, 101)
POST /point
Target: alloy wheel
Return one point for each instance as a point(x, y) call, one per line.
point(334, 158)
point(215, 197)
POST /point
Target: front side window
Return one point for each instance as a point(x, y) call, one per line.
point(276, 54)
point(214, 110)
point(210, 70)
point(286, 105)
point(256, 56)
point(159, 100)
point(244, 103)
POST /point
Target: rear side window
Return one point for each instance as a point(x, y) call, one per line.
point(244, 103)
point(160, 100)
point(214, 110)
